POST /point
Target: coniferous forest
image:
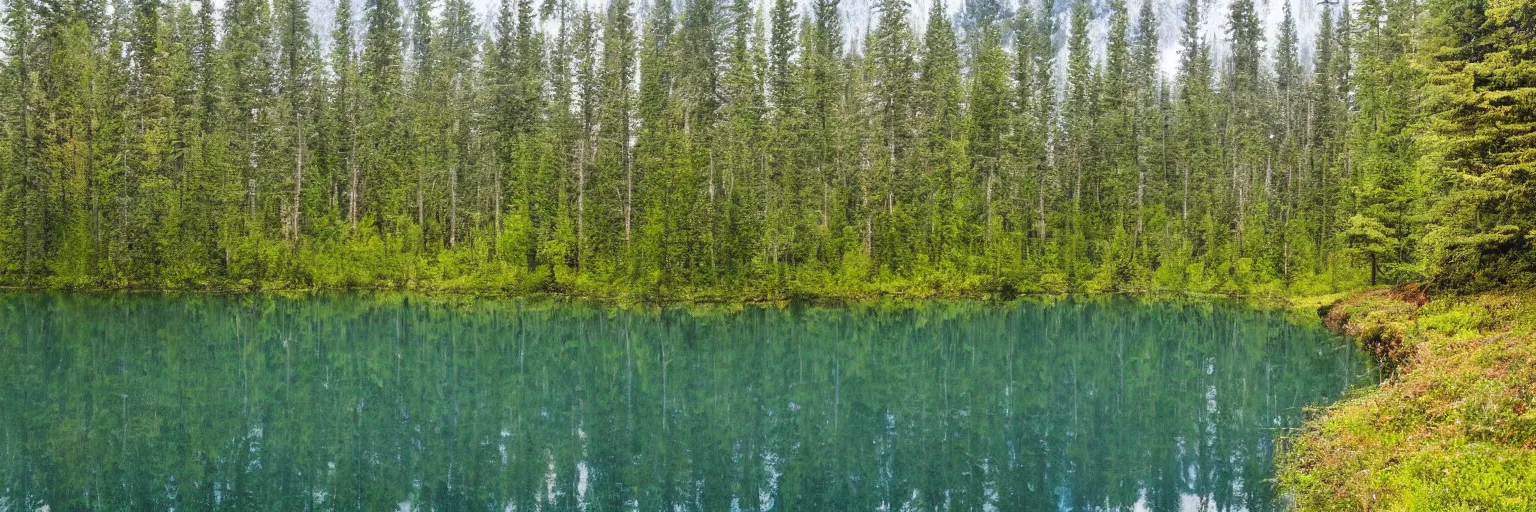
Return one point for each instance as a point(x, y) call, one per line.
point(767, 149)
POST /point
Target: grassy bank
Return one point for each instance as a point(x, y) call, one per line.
point(1453, 427)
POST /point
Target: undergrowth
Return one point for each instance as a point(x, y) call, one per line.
point(1452, 427)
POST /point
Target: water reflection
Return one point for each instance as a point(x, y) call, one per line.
point(345, 403)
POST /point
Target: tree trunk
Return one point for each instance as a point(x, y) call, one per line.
point(354, 173)
point(1040, 224)
point(453, 204)
point(581, 204)
point(629, 195)
point(298, 180)
point(496, 192)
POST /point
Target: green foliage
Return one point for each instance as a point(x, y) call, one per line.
point(1451, 430)
point(564, 147)
point(1481, 136)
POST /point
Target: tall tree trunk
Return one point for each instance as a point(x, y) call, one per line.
point(629, 193)
point(496, 194)
point(298, 180)
point(354, 177)
point(581, 203)
point(453, 204)
point(1184, 216)
point(1141, 184)
point(989, 210)
point(1040, 224)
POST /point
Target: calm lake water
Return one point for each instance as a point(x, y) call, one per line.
point(391, 404)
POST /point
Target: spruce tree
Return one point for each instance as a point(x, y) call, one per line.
point(1481, 137)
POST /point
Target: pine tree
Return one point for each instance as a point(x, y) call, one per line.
point(890, 56)
point(939, 130)
point(24, 184)
point(615, 158)
point(587, 99)
point(662, 205)
point(1246, 155)
point(1290, 97)
point(989, 116)
point(1147, 126)
point(1385, 187)
point(822, 81)
point(456, 52)
point(741, 133)
point(1077, 113)
point(347, 107)
point(380, 184)
point(785, 183)
point(297, 83)
point(1041, 113)
point(1194, 116)
point(1481, 136)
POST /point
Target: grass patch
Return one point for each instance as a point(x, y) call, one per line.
point(1452, 428)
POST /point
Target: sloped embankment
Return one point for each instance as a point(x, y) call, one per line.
point(1452, 427)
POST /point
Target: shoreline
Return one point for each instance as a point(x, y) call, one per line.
point(1261, 300)
point(1452, 425)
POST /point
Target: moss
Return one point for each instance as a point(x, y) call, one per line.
point(1453, 427)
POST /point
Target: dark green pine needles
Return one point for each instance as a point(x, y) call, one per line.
point(763, 150)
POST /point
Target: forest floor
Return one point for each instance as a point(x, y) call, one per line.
point(1452, 426)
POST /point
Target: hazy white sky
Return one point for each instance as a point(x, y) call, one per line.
point(1169, 12)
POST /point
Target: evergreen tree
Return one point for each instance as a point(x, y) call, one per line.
point(699, 148)
point(988, 127)
point(615, 161)
point(939, 129)
point(380, 188)
point(297, 84)
point(889, 180)
point(1478, 101)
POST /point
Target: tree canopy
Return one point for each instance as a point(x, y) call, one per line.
point(709, 146)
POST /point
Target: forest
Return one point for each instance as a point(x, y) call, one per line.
point(723, 146)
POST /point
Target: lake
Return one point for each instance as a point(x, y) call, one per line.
point(396, 403)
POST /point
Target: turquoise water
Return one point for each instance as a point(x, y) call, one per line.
point(348, 403)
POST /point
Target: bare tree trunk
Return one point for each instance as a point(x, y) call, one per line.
point(298, 180)
point(934, 248)
point(1269, 175)
point(826, 192)
point(581, 203)
point(1077, 189)
point(90, 173)
point(1141, 184)
point(1040, 207)
point(1240, 184)
point(1185, 215)
point(453, 204)
point(354, 173)
point(869, 233)
point(714, 241)
point(1141, 194)
point(989, 207)
point(421, 203)
point(496, 188)
point(629, 196)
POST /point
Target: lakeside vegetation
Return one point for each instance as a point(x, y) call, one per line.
point(711, 148)
point(1452, 429)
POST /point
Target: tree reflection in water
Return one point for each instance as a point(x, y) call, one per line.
point(350, 403)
